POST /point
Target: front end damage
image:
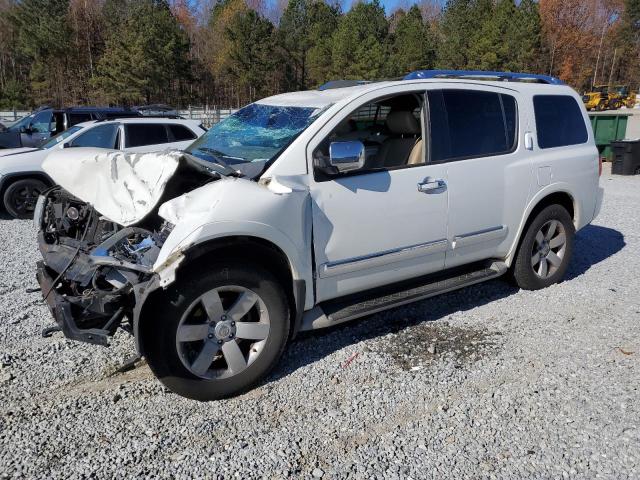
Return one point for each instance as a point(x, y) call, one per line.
point(94, 268)
point(91, 265)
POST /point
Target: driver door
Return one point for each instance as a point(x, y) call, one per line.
point(39, 129)
point(382, 223)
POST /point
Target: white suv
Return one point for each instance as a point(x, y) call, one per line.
point(308, 209)
point(21, 175)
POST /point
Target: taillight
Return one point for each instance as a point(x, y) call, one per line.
point(599, 166)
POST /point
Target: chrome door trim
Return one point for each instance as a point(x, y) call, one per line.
point(354, 264)
point(493, 233)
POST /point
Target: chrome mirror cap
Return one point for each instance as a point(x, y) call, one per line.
point(347, 156)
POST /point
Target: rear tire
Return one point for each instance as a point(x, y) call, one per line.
point(545, 250)
point(21, 196)
point(218, 334)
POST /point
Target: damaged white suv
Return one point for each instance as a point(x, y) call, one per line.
point(308, 209)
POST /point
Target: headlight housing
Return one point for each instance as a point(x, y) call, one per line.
point(38, 211)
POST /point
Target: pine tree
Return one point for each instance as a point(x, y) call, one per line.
point(144, 57)
point(43, 38)
point(304, 35)
point(251, 51)
point(412, 44)
point(359, 44)
point(457, 30)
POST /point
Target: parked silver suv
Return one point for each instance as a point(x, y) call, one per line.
point(308, 209)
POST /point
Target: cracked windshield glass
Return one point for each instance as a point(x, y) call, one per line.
point(256, 133)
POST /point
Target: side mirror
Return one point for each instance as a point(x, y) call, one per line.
point(25, 130)
point(347, 156)
point(66, 145)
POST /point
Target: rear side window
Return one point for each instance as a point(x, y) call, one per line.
point(75, 118)
point(180, 133)
point(559, 121)
point(102, 136)
point(141, 134)
point(471, 123)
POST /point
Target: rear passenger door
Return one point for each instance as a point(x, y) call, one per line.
point(100, 136)
point(478, 133)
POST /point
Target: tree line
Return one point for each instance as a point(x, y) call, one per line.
point(226, 53)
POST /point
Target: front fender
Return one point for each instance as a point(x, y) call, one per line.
point(232, 208)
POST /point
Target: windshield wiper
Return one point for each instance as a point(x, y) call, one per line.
point(218, 167)
point(219, 154)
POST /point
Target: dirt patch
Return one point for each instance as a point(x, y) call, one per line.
point(111, 379)
point(416, 347)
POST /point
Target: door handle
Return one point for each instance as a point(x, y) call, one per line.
point(429, 185)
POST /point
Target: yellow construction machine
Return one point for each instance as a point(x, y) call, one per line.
point(605, 97)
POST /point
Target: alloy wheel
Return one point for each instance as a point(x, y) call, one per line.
point(549, 248)
point(222, 332)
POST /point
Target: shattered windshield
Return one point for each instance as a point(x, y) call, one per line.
point(255, 133)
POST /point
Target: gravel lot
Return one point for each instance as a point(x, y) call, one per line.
point(486, 382)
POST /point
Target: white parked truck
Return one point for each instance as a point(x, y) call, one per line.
point(308, 209)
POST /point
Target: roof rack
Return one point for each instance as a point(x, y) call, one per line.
point(484, 75)
point(342, 84)
point(139, 117)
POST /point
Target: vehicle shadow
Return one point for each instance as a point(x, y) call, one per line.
point(593, 245)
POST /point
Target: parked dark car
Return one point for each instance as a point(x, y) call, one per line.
point(34, 129)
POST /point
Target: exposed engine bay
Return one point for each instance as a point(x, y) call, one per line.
point(91, 264)
point(94, 262)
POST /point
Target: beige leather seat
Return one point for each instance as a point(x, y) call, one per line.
point(416, 156)
point(404, 146)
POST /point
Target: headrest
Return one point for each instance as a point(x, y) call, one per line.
point(345, 126)
point(402, 122)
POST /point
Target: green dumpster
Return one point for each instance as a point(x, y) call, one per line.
point(608, 127)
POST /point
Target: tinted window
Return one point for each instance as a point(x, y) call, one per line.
point(180, 132)
point(465, 123)
point(102, 136)
point(141, 134)
point(559, 121)
point(75, 118)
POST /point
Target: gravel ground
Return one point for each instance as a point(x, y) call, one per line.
point(486, 382)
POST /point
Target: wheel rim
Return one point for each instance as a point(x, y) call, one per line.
point(222, 332)
point(549, 247)
point(24, 199)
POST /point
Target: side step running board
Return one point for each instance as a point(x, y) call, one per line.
point(342, 310)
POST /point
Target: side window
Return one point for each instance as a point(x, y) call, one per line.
point(559, 121)
point(75, 118)
point(471, 123)
point(180, 133)
point(42, 122)
point(390, 130)
point(141, 134)
point(102, 136)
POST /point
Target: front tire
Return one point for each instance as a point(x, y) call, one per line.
point(217, 335)
point(21, 196)
point(545, 250)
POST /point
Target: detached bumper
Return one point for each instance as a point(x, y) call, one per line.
point(62, 310)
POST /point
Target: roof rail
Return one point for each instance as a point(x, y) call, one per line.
point(484, 75)
point(342, 84)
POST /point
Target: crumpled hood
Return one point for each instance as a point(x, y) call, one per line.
point(122, 186)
